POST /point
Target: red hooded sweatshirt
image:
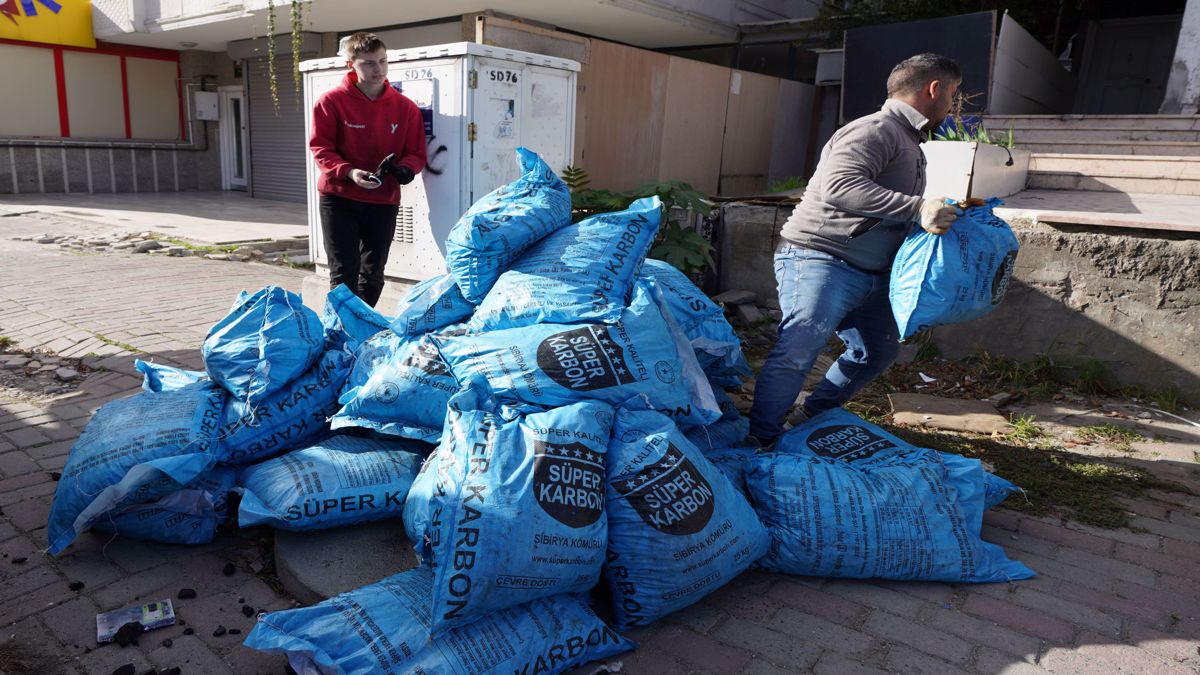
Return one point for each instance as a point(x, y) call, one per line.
point(350, 131)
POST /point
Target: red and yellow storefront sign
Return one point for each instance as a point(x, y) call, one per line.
point(59, 22)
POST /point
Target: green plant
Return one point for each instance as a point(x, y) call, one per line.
point(116, 343)
point(676, 243)
point(976, 133)
point(297, 17)
point(1092, 377)
point(927, 349)
point(272, 79)
point(1054, 482)
point(575, 178)
point(6, 342)
point(1035, 377)
point(1026, 429)
point(787, 184)
point(1118, 437)
point(1169, 398)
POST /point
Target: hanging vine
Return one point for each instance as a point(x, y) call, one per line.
point(297, 33)
point(272, 80)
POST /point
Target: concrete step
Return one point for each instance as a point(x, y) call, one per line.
point(319, 564)
point(1161, 122)
point(1128, 135)
point(1157, 174)
point(1124, 148)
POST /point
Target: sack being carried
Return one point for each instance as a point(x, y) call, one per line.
point(343, 480)
point(954, 277)
point(844, 498)
point(384, 628)
point(520, 514)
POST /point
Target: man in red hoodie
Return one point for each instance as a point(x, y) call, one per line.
point(355, 127)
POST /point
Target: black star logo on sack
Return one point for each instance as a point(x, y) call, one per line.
point(425, 357)
point(848, 442)
point(584, 359)
point(670, 495)
point(568, 482)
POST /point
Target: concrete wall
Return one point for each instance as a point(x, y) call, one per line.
point(746, 239)
point(126, 166)
point(1183, 87)
point(1129, 298)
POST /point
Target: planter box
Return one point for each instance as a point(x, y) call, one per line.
point(961, 169)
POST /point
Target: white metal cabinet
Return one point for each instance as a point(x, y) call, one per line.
point(479, 103)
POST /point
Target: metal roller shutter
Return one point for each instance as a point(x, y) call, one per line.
point(278, 148)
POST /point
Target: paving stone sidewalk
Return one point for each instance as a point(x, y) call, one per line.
point(1104, 601)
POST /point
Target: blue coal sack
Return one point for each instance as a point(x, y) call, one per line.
point(268, 339)
point(383, 628)
point(844, 498)
point(504, 223)
point(343, 480)
point(188, 516)
point(290, 418)
point(431, 305)
point(716, 346)
point(581, 273)
point(550, 364)
point(136, 450)
point(348, 317)
point(954, 277)
point(677, 528)
point(400, 386)
point(520, 511)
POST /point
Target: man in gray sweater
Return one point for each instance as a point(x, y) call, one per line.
point(833, 263)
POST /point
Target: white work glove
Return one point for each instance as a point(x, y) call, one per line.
point(363, 179)
point(936, 216)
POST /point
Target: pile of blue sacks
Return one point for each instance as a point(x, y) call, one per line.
point(547, 416)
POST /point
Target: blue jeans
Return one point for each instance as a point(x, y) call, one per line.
point(821, 295)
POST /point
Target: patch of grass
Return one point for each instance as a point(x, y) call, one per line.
point(1055, 482)
point(1026, 429)
point(203, 249)
point(123, 345)
point(1169, 398)
point(871, 412)
point(1036, 379)
point(1092, 377)
point(6, 342)
point(296, 265)
point(927, 349)
point(789, 183)
point(1119, 438)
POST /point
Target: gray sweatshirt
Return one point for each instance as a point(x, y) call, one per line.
point(866, 189)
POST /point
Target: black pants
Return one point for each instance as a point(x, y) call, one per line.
point(358, 236)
